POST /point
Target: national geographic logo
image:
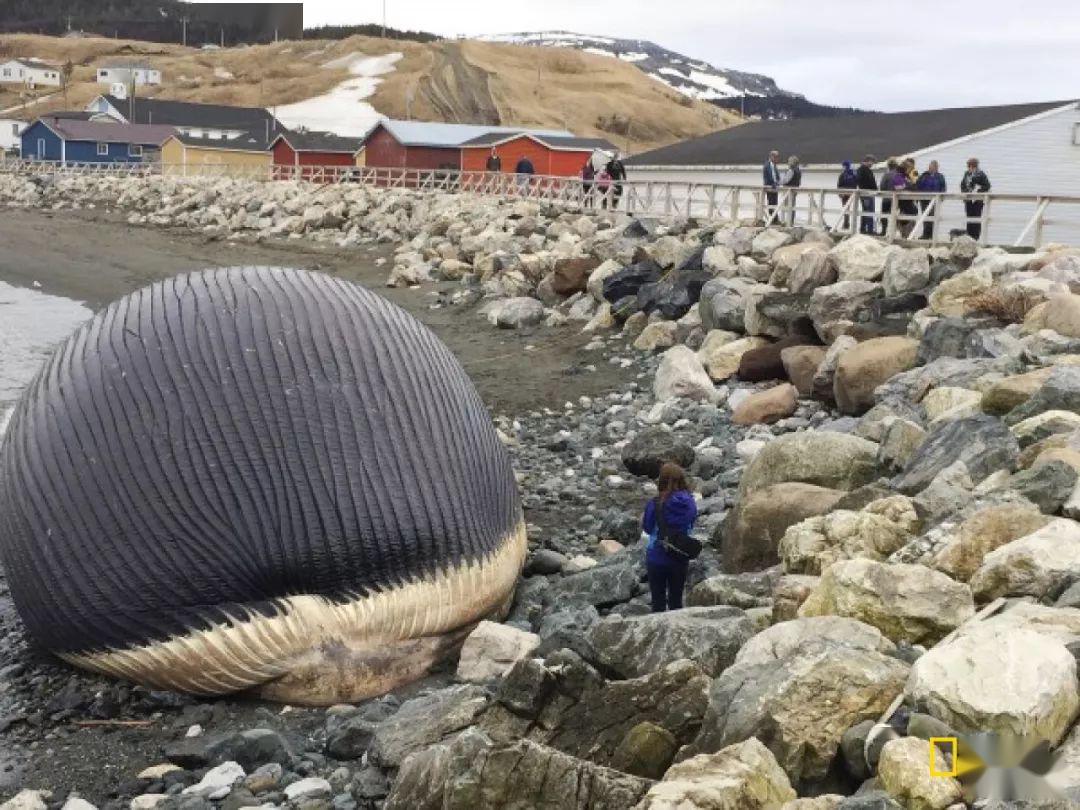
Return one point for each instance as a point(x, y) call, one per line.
point(997, 766)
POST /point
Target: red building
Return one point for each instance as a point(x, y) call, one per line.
point(557, 156)
point(314, 149)
point(424, 145)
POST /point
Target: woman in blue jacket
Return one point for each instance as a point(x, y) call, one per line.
point(667, 569)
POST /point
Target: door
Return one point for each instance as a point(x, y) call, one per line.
point(41, 148)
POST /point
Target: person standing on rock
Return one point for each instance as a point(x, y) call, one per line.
point(673, 510)
point(588, 174)
point(603, 188)
point(846, 180)
point(888, 184)
point(494, 162)
point(792, 180)
point(975, 182)
point(865, 181)
point(770, 178)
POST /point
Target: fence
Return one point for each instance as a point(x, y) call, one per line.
point(1005, 219)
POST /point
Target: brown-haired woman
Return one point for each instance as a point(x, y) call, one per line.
point(667, 570)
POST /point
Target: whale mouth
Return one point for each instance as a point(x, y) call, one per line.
point(319, 651)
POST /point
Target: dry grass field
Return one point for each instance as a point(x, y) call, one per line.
point(463, 81)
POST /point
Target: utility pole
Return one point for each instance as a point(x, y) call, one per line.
point(183, 38)
point(223, 36)
point(384, 19)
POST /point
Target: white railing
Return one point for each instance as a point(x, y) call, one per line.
point(1009, 219)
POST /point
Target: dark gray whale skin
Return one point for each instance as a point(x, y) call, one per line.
point(224, 439)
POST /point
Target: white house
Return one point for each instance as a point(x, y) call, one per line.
point(214, 121)
point(29, 72)
point(1025, 149)
point(10, 130)
point(123, 71)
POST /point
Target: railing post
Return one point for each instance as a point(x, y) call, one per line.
point(984, 221)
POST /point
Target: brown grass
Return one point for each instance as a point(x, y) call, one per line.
point(1008, 305)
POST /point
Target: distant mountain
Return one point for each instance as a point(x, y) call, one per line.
point(750, 93)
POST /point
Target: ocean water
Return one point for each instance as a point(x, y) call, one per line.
point(31, 325)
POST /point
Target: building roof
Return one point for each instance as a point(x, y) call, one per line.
point(248, 142)
point(71, 129)
point(192, 114)
point(560, 142)
point(425, 133)
point(320, 142)
point(833, 140)
point(127, 64)
point(74, 115)
point(35, 64)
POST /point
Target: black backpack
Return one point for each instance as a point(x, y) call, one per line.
point(677, 543)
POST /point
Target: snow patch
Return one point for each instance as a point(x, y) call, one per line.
point(343, 110)
point(222, 73)
point(633, 57)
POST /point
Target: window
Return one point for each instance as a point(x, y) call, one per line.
point(14, 129)
point(7, 72)
point(1076, 134)
point(102, 149)
point(135, 150)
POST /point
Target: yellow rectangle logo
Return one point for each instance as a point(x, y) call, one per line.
point(933, 755)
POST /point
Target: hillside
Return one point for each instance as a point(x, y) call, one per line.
point(462, 81)
point(752, 94)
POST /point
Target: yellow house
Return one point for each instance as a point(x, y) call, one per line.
point(186, 155)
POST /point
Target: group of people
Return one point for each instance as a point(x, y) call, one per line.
point(607, 183)
point(899, 176)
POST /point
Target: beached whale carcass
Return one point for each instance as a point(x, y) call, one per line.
point(256, 478)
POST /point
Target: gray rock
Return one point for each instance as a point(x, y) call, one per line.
point(647, 451)
point(1048, 485)
point(844, 301)
point(723, 302)
point(568, 629)
point(514, 313)
point(425, 720)
point(1060, 392)
point(871, 800)
point(603, 585)
point(983, 443)
point(473, 772)
point(633, 647)
point(851, 747)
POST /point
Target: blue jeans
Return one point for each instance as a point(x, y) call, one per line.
point(666, 583)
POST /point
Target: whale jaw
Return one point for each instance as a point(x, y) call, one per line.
point(316, 651)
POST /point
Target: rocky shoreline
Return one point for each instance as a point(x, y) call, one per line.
point(885, 444)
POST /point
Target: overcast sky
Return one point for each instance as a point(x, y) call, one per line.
point(876, 54)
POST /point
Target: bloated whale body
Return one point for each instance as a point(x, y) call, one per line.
point(256, 479)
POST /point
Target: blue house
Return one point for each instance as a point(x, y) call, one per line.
point(71, 140)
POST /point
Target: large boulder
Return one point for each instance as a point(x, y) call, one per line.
point(768, 241)
point(647, 750)
point(825, 376)
point(597, 277)
point(835, 308)
point(859, 258)
point(742, 776)
point(681, 374)
point(827, 459)
point(813, 545)
point(813, 270)
point(777, 314)
point(565, 703)
point(863, 368)
point(492, 649)
point(625, 283)
point(653, 446)
point(982, 443)
point(1059, 392)
point(951, 297)
point(657, 336)
point(766, 407)
point(765, 362)
point(1039, 564)
point(515, 313)
point(1009, 392)
point(572, 275)
point(906, 270)
point(425, 720)
point(1013, 681)
point(786, 259)
point(635, 646)
point(797, 687)
point(1060, 313)
point(801, 364)
point(903, 771)
point(905, 602)
point(985, 530)
point(470, 771)
point(721, 355)
point(723, 301)
point(675, 292)
point(752, 531)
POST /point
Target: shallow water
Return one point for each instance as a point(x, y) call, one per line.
point(31, 325)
